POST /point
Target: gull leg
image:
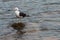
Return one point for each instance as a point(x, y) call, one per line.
point(20, 19)
point(17, 19)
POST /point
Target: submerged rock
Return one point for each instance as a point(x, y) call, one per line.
point(18, 26)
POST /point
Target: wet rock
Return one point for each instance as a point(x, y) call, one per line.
point(18, 26)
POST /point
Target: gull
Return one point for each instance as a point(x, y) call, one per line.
point(20, 14)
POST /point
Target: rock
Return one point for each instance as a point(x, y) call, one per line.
point(18, 26)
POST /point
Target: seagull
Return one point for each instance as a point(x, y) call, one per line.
point(19, 13)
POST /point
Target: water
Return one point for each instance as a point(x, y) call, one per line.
point(45, 13)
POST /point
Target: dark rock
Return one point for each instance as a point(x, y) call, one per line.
point(18, 26)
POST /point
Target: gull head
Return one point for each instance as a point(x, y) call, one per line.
point(16, 9)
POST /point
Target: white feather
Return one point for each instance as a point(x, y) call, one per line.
point(17, 11)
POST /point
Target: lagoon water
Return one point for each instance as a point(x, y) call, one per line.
point(44, 14)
